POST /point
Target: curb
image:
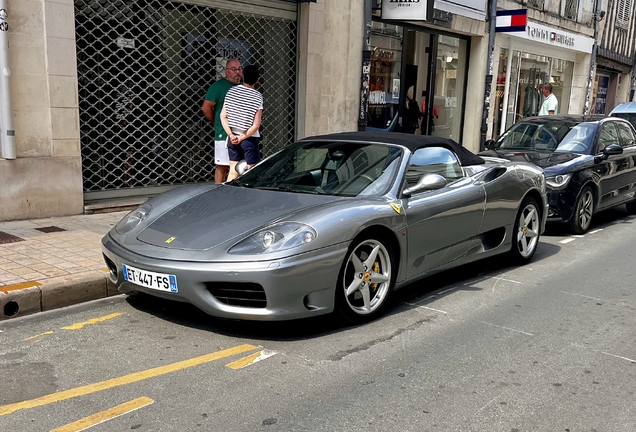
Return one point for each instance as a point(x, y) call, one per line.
point(54, 293)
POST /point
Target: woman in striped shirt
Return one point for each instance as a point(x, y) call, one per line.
point(241, 119)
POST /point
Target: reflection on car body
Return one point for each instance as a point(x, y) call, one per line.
point(333, 222)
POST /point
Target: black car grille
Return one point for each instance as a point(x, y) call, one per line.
point(249, 295)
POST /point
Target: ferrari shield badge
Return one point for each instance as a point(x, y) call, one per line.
point(397, 207)
point(170, 240)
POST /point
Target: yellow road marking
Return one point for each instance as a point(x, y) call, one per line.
point(123, 380)
point(108, 414)
point(37, 336)
point(5, 289)
point(250, 359)
point(80, 325)
point(105, 269)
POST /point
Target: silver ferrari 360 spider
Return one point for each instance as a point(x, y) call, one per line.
point(332, 222)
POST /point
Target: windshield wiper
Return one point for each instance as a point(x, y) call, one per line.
point(237, 182)
point(288, 188)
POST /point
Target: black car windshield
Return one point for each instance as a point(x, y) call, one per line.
point(548, 136)
point(327, 168)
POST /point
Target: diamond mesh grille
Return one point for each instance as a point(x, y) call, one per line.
point(143, 69)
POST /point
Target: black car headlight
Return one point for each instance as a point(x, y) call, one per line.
point(558, 181)
point(275, 238)
point(132, 219)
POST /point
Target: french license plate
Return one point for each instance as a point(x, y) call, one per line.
point(152, 280)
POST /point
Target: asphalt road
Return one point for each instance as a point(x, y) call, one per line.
point(545, 347)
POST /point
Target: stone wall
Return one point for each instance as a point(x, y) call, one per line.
point(46, 178)
point(330, 66)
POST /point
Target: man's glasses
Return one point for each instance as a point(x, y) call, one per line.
point(233, 69)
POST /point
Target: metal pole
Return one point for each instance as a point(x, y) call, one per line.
point(491, 49)
point(366, 66)
point(506, 100)
point(7, 134)
point(590, 78)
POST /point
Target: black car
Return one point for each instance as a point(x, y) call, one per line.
point(589, 163)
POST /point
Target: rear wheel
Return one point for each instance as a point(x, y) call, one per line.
point(526, 232)
point(366, 279)
point(583, 210)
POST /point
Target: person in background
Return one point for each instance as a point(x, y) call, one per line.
point(212, 106)
point(241, 118)
point(550, 104)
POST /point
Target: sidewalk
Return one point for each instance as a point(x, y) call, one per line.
point(51, 263)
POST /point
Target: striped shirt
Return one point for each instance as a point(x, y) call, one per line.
point(241, 105)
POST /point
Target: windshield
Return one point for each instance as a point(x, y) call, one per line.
point(327, 168)
point(548, 136)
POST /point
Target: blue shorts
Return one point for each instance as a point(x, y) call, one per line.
point(247, 150)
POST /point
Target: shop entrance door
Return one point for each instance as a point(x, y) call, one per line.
point(434, 76)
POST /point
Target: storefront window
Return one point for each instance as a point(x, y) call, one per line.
point(384, 78)
point(528, 73)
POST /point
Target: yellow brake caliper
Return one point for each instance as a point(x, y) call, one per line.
point(376, 269)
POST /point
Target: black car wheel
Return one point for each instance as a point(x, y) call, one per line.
point(526, 232)
point(631, 207)
point(583, 210)
point(366, 279)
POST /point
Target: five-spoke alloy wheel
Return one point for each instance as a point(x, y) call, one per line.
point(366, 279)
point(526, 232)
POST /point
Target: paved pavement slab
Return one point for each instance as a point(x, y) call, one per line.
point(54, 262)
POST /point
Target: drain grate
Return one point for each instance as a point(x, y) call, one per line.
point(6, 238)
point(50, 229)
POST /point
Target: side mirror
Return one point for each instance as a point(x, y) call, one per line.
point(612, 149)
point(427, 182)
point(241, 167)
point(488, 144)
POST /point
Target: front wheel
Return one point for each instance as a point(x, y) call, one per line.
point(583, 210)
point(631, 207)
point(366, 280)
point(526, 232)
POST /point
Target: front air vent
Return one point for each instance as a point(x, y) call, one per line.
point(248, 295)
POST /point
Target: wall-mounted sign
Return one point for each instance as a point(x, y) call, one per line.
point(125, 43)
point(511, 20)
point(556, 37)
point(407, 10)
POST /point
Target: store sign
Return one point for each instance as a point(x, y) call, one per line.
point(556, 37)
point(410, 10)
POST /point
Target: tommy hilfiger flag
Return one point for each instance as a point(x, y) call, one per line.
point(511, 20)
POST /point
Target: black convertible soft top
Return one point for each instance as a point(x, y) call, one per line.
point(410, 141)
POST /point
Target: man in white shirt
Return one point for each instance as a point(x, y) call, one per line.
point(550, 104)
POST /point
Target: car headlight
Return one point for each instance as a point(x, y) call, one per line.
point(132, 219)
point(275, 238)
point(558, 181)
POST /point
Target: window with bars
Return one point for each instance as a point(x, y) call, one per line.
point(570, 9)
point(623, 14)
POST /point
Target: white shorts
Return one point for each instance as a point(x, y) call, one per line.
point(221, 156)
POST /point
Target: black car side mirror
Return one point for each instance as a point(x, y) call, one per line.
point(488, 144)
point(612, 149)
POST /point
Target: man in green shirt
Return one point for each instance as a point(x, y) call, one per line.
point(212, 106)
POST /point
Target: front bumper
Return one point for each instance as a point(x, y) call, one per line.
point(295, 287)
point(560, 205)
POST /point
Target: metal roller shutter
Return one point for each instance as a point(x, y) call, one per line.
point(143, 69)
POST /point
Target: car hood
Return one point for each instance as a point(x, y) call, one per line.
point(539, 158)
point(216, 216)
